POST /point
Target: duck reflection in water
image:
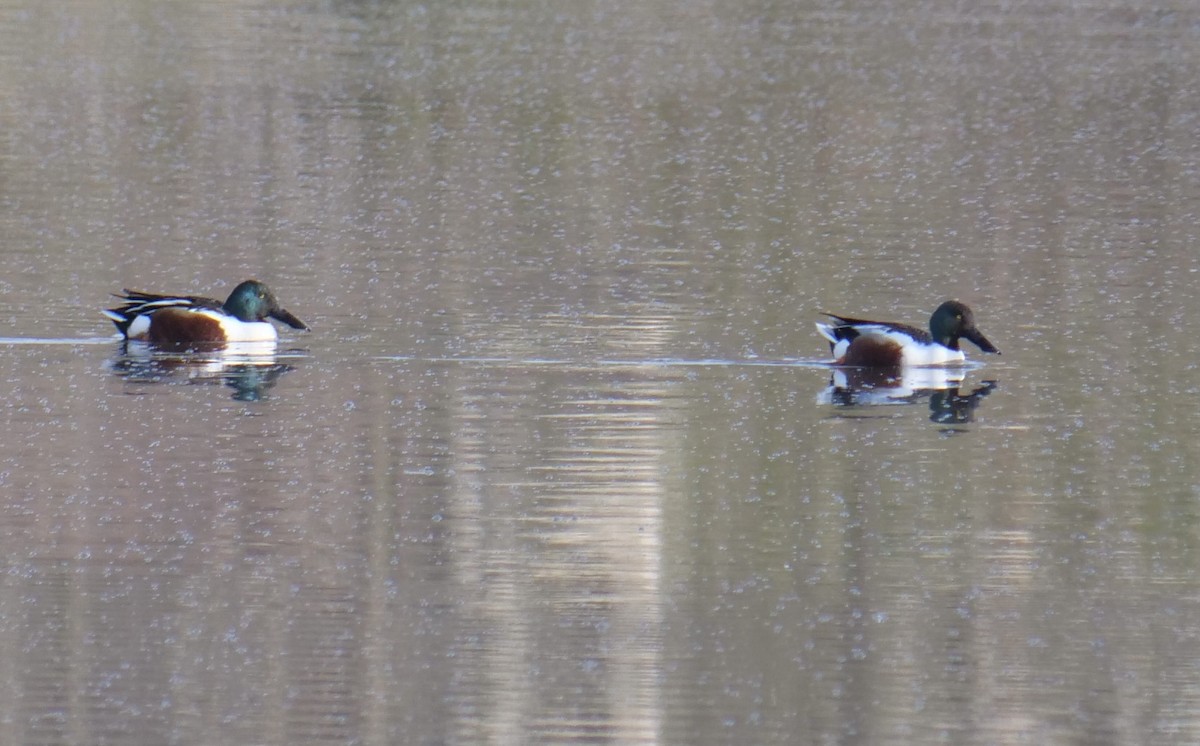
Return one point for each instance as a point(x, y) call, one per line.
point(250, 368)
point(865, 387)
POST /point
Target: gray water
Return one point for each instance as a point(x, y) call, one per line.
point(559, 460)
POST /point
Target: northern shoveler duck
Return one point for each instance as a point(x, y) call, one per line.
point(859, 342)
point(182, 320)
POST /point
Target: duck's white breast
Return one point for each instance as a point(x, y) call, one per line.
point(244, 331)
point(915, 353)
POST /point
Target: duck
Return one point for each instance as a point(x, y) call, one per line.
point(190, 320)
point(878, 344)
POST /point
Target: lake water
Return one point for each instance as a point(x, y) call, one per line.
point(559, 461)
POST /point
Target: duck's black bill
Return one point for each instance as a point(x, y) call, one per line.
point(981, 341)
point(287, 318)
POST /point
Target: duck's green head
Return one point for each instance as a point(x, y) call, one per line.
point(254, 301)
point(953, 321)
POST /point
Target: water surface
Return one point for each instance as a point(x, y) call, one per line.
point(559, 461)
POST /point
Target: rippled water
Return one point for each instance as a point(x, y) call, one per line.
point(559, 460)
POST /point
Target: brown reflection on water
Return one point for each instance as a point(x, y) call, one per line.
point(472, 553)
